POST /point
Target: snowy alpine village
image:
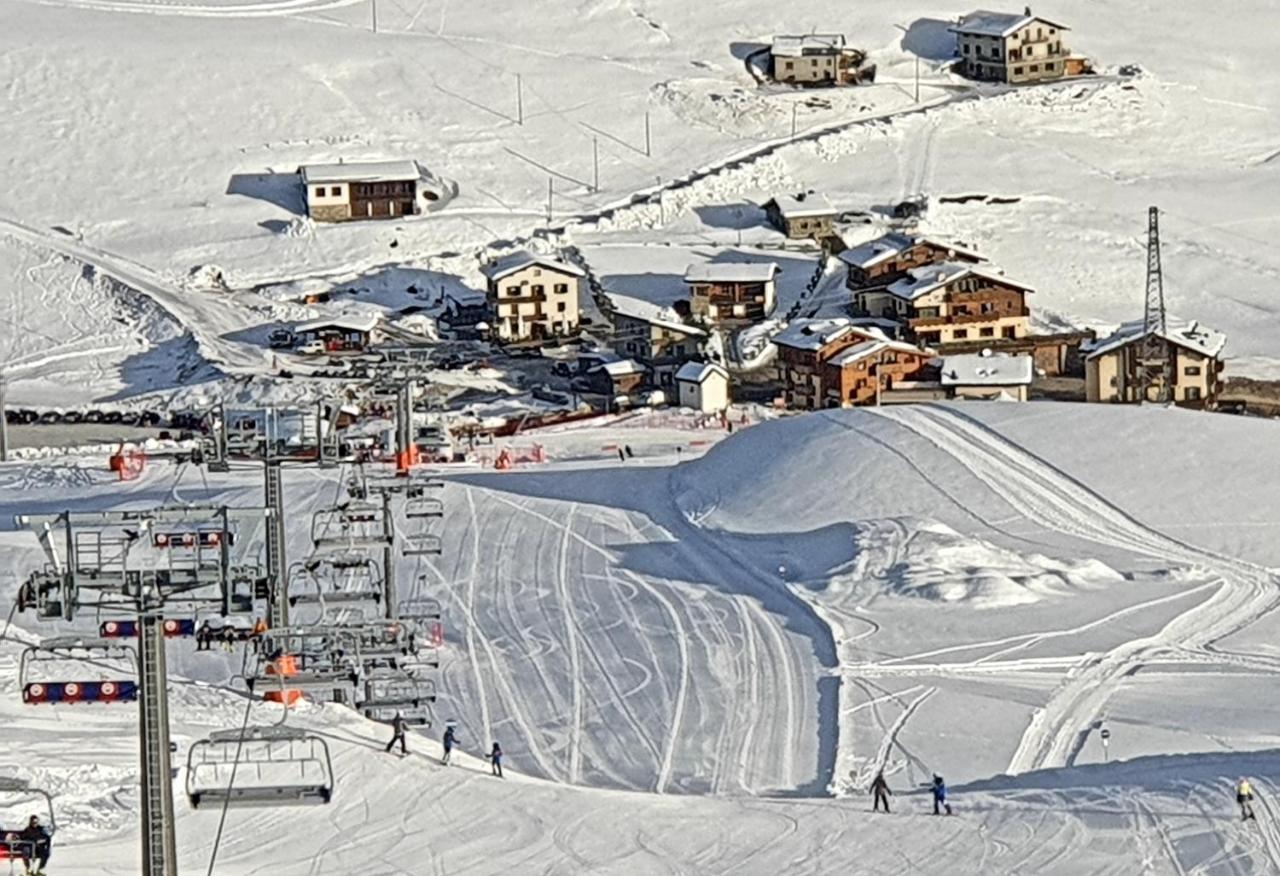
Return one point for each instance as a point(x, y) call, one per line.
point(639, 437)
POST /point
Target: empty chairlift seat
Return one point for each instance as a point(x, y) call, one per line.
point(422, 543)
point(71, 669)
point(423, 506)
point(386, 695)
point(347, 579)
point(277, 766)
point(350, 525)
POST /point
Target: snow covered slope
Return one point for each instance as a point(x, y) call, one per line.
point(933, 589)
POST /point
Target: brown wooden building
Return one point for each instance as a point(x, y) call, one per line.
point(879, 263)
point(954, 301)
point(832, 363)
point(807, 214)
point(654, 336)
point(732, 292)
point(362, 190)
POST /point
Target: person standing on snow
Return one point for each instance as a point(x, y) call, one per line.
point(1244, 796)
point(940, 803)
point(397, 734)
point(880, 788)
point(450, 740)
point(495, 760)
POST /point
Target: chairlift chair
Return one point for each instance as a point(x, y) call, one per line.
point(174, 627)
point(350, 525)
point(419, 544)
point(352, 578)
point(423, 506)
point(114, 685)
point(17, 797)
point(276, 766)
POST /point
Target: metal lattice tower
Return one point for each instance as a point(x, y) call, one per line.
point(278, 601)
point(1155, 365)
point(158, 842)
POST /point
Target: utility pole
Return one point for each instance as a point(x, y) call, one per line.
point(551, 193)
point(1155, 365)
point(917, 78)
point(648, 139)
point(4, 421)
point(595, 164)
point(519, 100)
point(794, 109)
point(373, 9)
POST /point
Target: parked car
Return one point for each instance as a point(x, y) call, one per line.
point(281, 339)
point(310, 348)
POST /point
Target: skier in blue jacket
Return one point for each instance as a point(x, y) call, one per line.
point(940, 803)
point(450, 739)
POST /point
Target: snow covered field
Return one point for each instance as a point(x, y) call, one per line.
point(684, 664)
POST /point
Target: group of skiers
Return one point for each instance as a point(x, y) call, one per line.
point(881, 792)
point(399, 727)
point(33, 842)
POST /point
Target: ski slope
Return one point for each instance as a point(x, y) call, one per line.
point(696, 662)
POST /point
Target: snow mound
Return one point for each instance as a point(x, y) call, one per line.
point(930, 560)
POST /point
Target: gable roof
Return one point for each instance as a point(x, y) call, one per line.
point(515, 261)
point(697, 372)
point(870, 347)
point(807, 44)
point(812, 334)
point(1188, 334)
point(983, 22)
point(926, 278)
point(802, 204)
point(654, 314)
point(731, 272)
point(873, 252)
point(346, 322)
point(619, 368)
point(987, 369)
point(360, 171)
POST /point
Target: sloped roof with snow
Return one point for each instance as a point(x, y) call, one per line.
point(731, 272)
point(619, 367)
point(512, 262)
point(987, 369)
point(807, 44)
point(812, 334)
point(923, 280)
point(983, 22)
point(360, 171)
point(696, 372)
point(873, 252)
point(870, 347)
point(345, 322)
point(804, 204)
point(651, 313)
point(1185, 333)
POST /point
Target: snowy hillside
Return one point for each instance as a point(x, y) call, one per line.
point(664, 648)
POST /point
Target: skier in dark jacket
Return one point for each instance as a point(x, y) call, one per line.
point(397, 734)
point(495, 760)
point(450, 740)
point(880, 789)
point(40, 842)
point(940, 803)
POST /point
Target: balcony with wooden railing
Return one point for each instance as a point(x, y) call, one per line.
point(968, 318)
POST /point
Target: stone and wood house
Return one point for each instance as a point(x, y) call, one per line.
point(955, 301)
point(807, 214)
point(655, 336)
point(818, 59)
point(826, 363)
point(1012, 48)
point(732, 293)
point(877, 264)
point(363, 190)
point(1111, 364)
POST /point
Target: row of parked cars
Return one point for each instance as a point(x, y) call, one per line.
point(150, 419)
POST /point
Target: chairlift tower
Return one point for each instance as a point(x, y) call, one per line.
point(1155, 363)
point(87, 572)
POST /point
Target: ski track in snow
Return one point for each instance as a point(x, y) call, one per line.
point(1044, 493)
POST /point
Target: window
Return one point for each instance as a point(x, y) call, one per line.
point(537, 290)
point(537, 272)
point(966, 48)
point(319, 191)
point(1113, 381)
point(513, 291)
point(1049, 68)
point(988, 307)
point(1017, 71)
point(560, 307)
point(790, 66)
point(1193, 393)
point(1010, 332)
point(1035, 68)
point(960, 334)
point(1192, 371)
point(988, 332)
point(562, 288)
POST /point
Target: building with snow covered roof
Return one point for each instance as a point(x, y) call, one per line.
point(1007, 47)
point(703, 386)
point(955, 301)
point(987, 375)
point(532, 297)
point(732, 292)
point(833, 363)
point(656, 336)
point(878, 263)
point(344, 333)
point(817, 59)
point(806, 214)
point(617, 377)
point(1111, 364)
point(364, 190)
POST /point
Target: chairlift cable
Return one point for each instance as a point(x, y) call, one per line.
point(226, 803)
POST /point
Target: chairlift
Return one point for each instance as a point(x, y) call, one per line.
point(419, 609)
point(17, 798)
point(276, 766)
point(350, 525)
point(423, 506)
point(174, 627)
point(397, 689)
point(104, 681)
point(419, 544)
point(353, 578)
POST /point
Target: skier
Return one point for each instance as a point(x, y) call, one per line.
point(450, 739)
point(40, 841)
point(397, 734)
point(622, 456)
point(1244, 796)
point(940, 803)
point(495, 760)
point(880, 788)
point(630, 455)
